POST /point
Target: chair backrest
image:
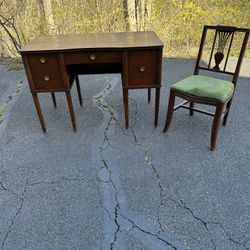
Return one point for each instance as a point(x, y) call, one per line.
point(223, 38)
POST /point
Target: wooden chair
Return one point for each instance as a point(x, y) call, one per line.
point(207, 90)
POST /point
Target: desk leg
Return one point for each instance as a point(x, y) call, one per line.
point(125, 102)
point(39, 111)
point(71, 110)
point(157, 102)
point(149, 95)
point(53, 98)
point(78, 89)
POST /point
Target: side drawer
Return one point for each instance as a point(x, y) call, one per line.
point(92, 57)
point(45, 72)
point(143, 67)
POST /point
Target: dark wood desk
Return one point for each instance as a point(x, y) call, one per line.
point(53, 62)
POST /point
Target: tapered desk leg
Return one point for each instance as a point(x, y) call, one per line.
point(78, 89)
point(125, 102)
point(71, 110)
point(39, 111)
point(157, 102)
point(149, 95)
point(53, 98)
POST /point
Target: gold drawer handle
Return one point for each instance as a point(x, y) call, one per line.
point(92, 57)
point(46, 78)
point(142, 68)
point(42, 60)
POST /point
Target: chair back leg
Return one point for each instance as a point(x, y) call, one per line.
point(216, 124)
point(170, 111)
point(191, 112)
point(226, 115)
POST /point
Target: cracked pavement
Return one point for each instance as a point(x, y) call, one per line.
point(106, 187)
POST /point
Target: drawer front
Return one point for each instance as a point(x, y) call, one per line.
point(92, 57)
point(45, 72)
point(143, 67)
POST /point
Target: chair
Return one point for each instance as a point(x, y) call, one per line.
point(207, 90)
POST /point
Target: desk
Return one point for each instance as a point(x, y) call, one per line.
point(53, 62)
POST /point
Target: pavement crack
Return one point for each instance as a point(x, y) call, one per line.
point(129, 132)
point(100, 198)
point(117, 208)
point(14, 217)
point(4, 107)
point(156, 235)
point(229, 236)
point(57, 181)
point(5, 189)
point(112, 183)
point(101, 104)
point(204, 223)
point(156, 173)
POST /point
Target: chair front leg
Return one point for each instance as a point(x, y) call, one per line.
point(170, 111)
point(216, 124)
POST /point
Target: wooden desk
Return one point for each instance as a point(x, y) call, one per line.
point(53, 62)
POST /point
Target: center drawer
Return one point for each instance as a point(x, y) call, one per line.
point(71, 58)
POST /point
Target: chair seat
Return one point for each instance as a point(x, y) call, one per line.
point(205, 87)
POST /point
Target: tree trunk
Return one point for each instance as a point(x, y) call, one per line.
point(148, 14)
point(138, 14)
point(46, 8)
point(130, 14)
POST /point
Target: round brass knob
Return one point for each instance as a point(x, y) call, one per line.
point(92, 57)
point(142, 68)
point(46, 78)
point(42, 60)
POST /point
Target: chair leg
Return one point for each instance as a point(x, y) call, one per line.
point(149, 95)
point(170, 111)
point(216, 125)
point(71, 110)
point(228, 109)
point(53, 98)
point(78, 89)
point(191, 112)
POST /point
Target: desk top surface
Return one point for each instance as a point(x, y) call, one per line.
point(118, 40)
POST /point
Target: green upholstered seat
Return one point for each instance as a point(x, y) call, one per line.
point(205, 87)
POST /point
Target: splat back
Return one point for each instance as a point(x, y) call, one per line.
point(219, 52)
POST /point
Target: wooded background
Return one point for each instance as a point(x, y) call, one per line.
point(178, 23)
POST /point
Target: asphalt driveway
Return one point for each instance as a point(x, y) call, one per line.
point(106, 187)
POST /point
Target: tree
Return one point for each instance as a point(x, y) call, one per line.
point(46, 10)
point(137, 14)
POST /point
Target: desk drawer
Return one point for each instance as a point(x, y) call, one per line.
point(92, 57)
point(45, 71)
point(143, 67)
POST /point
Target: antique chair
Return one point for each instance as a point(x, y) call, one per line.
point(207, 90)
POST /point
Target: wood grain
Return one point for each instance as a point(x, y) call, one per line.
point(94, 41)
